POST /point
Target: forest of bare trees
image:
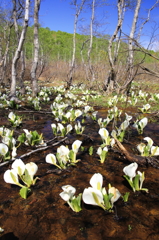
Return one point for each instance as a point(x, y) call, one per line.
point(124, 56)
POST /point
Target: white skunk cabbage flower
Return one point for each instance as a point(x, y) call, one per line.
point(103, 132)
point(28, 134)
point(128, 117)
point(14, 152)
point(19, 167)
point(3, 149)
point(12, 116)
point(155, 151)
point(92, 196)
point(96, 181)
point(50, 158)
point(142, 178)
point(116, 194)
point(78, 113)
point(76, 145)
point(130, 170)
point(143, 122)
point(69, 128)
point(68, 192)
point(32, 169)
point(141, 148)
point(10, 176)
point(149, 141)
point(60, 127)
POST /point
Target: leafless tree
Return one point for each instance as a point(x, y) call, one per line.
point(130, 68)
point(78, 9)
point(130, 61)
point(36, 48)
point(5, 34)
point(19, 50)
point(18, 8)
point(110, 81)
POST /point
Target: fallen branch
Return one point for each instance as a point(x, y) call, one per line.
point(135, 158)
point(34, 151)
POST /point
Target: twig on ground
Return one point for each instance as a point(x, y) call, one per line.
point(36, 150)
point(138, 159)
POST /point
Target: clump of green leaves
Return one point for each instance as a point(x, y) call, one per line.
point(31, 138)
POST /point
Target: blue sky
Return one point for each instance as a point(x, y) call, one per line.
point(59, 15)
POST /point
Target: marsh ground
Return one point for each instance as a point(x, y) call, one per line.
point(44, 215)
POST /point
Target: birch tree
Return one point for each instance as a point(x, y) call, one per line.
point(36, 49)
point(78, 9)
point(17, 14)
point(110, 81)
point(89, 68)
point(130, 60)
point(120, 79)
point(6, 24)
point(18, 50)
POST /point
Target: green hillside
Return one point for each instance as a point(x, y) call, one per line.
point(58, 46)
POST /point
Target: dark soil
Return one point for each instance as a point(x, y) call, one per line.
point(44, 214)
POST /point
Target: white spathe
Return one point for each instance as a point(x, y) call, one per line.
point(68, 192)
point(99, 151)
point(103, 132)
point(69, 128)
point(92, 196)
point(130, 170)
point(76, 145)
point(143, 122)
point(10, 176)
point(12, 116)
point(32, 169)
point(141, 147)
point(96, 181)
point(149, 141)
point(3, 149)
point(50, 158)
point(18, 166)
point(116, 194)
point(155, 151)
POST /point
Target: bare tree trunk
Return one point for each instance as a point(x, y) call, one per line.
point(21, 77)
point(78, 11)
point(22, 57)
point(130, 68)
point(92, 78)
point(3, 59)
point(18, 50)
point(110, 81)
point(36, 49)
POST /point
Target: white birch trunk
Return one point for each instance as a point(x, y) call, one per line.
point(111, 79)
point(18, 50)
point(78, 11)
point(130, 60)
point(36, 49)
point(91, 43)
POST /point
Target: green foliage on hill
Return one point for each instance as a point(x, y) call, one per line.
point(58, 46)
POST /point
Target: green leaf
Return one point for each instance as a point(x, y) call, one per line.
point(91, 150)
point(76, 203)
point(24, 191)
point(72, 156)
point(26, 178)
point(107, 203)
point(130, 182)
point(22, 138)
point(126, 196)
point(136, 182)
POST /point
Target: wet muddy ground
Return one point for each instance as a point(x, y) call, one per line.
point(44, 215)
